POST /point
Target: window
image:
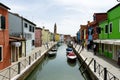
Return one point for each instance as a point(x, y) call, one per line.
point(2, 22)
point(106, 28)
point(33, 29)
point(33, 42)
point(25, 24)
point(110, 26)
point(1, 52)
point(30, 28)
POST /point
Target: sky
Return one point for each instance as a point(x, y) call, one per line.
point(67, 14)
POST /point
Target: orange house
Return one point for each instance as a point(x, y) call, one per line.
point(5, 53)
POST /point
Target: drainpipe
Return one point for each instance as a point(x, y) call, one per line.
point(23, 34)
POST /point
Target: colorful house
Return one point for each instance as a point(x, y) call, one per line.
point(83, 32)
point(45, 36)
point(110, 33)
point(5, 55)
point(23, 28)
point(38, 37)
point(57, 37)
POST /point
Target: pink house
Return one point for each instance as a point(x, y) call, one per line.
point(38, 37)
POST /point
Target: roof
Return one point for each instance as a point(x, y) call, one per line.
point(4, 6)
point(28, 21)
point(14, 39)
point(38, 28)
point(99, 13)
point(113, 7)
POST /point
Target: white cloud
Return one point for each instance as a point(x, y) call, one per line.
point(68, 14)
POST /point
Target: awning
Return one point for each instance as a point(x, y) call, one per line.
point(17, 44)
point(117, 42)
point(96, 41)
point(108, 41)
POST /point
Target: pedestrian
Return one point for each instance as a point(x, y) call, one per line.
point(88, 43)
point(118, 58)
point(47, 45)
point(94, 49)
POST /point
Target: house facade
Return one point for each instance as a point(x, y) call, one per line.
point(38, 37)
point(23, 28)
point(28, 34)
point(16, 37)
point(110, 34)
point(5, 55)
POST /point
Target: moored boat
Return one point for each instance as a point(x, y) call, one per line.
point(68, 50)
point(52, 53)
point(71, 56)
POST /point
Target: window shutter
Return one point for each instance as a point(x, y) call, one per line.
point(2, 22)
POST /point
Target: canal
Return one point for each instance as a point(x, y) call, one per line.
point(57, 68)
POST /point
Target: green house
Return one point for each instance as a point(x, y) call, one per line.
point(110, 33)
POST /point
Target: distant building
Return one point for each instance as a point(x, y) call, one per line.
point(55, 31)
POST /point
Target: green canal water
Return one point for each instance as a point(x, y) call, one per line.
point(57, 68)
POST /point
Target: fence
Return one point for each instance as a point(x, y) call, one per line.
point(103, 72)
point(17, 68)
point(99, 69)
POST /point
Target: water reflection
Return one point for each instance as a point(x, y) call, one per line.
point(71, 63)
point(57, 68)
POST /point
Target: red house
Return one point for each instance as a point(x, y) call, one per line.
point(38, 37)
point(5, 55)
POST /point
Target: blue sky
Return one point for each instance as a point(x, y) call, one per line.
point(68, 14)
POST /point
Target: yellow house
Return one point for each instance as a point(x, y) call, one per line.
point(45, 36)
point(57, 37)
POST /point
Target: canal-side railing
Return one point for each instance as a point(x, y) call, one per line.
point(20, 66)
point(103, 72)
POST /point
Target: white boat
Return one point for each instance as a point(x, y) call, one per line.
point(71, 56)
point(52, 53)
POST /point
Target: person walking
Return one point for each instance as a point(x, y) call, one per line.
point(118, 58)
point(94, 49)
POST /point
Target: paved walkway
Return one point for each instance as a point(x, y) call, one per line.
point(11, 72)
point(104, 61)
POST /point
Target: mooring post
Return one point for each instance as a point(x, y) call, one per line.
point(94, 65)
point(18, 67)
point(105, 73)
point(29, 60)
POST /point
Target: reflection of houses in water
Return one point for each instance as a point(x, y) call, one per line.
point(71, 63)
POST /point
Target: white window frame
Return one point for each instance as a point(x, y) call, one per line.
point(1, 53)
point(109, 27)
